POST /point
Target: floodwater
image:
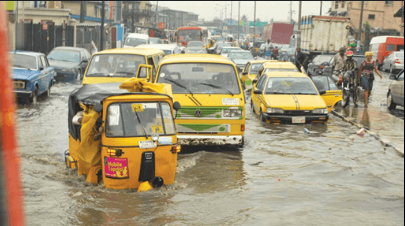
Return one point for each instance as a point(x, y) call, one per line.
point(282, 177)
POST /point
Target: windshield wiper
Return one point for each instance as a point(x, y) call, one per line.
point(125, 72)
point(140, 123)
point(215, 86)
point(180, 85)
point(98, 74)
point(21, 66)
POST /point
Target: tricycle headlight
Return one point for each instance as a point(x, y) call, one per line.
point(275, 111)
point(323, 111)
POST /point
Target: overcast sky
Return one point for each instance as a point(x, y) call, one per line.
point(265, 10)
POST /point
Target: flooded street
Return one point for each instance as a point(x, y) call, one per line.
point(283, 176)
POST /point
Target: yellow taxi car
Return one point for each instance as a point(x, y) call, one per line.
point(276, 66)
point(117, 65)
point(288, 97)
point(249, 72)
point(210, 93)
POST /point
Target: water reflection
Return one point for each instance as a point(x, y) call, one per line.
point(365, 119)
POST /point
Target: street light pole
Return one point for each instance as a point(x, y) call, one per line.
point(102, 26)
point(254, 29)
point(238, 21)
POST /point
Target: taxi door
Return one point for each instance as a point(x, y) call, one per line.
point(257, 98)
point(332, 96)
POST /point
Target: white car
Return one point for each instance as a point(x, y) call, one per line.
point(394, 62)
point(169, 49)
point(226, 50)
point(134, 39)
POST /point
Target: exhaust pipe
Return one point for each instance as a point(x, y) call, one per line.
point(156, 182)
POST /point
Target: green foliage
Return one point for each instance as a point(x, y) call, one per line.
point(367, 36)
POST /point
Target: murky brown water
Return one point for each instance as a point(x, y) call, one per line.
point(282, 177)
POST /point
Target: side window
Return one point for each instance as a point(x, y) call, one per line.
point(46, 62)
point(40, 62)
point(246, 69)
point(390, 47)
point(260, 83)
point(156, 60)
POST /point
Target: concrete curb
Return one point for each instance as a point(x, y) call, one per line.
point(375, 135)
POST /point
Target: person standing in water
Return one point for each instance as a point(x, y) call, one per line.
point(366, 74)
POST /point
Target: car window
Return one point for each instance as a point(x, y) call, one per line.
point(44, 64)
point(261, 82)
point(240, 55)
point(115, 65)
point(41, 65)
point(255, 68)
point(64, 55)
point(202, 78)
point(321, 58)
point(390, 47)
point(401, 77)
point(289, 85)
point(23, 61)
point(135, 41)
point(321, 82)
point(87, 54)
point(246, 69)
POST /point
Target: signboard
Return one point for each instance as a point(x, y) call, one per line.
point(258, 23)
point(44, 26)
point(232, 23)
point(9, 5)
point(162, 25)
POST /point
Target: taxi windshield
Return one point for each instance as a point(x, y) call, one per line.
point(139, 119)
point(289, 85)
point(280, 69)
point(115, 65)
point(200, 78)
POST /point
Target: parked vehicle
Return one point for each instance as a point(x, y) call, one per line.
point(70, 63)
point(240, 58)
point(117, 65)
point(395, 95)
point(317, 65)
point(210, 92)
point(280, 97)
point(168, 49)
point(279, 33)
point(394, 62)
point(32, 75)
point(134, 39)
point(226, 50)
point(382, 46)
point(134, 145)
point(218, 46)
point(156, 41)
point(288, 54)
point(332, 33)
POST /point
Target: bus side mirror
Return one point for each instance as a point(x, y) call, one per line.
point(145, 72)
point(176, 107)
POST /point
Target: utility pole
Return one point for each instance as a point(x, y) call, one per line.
point(231, 17)
point(320, 13)
point(82, 11)
point(16, 25)
point(299, 26)
point(254, 31)
point(157, 13)
point(290, 11)
point(102, 26)
point(360, 25)
point(133, 17)
point(238, 21)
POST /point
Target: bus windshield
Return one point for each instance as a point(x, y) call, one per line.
point(189, 35)
point(200, 78)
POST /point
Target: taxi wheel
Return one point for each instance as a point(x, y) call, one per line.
point(262, 118)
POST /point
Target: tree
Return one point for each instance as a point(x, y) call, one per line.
point(367, 36)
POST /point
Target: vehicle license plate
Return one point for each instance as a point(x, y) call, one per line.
point(147, 144)
point(297, 120)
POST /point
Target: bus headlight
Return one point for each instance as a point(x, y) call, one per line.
point(275, 111)
point(323, 111)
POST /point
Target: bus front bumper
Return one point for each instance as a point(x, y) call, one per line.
point(209, 140)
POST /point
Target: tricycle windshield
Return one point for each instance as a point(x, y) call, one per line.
point(115, 65)
point(138, 119)
point(24, 61)
point(200, 78)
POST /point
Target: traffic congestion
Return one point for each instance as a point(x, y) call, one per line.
point(206, 125)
